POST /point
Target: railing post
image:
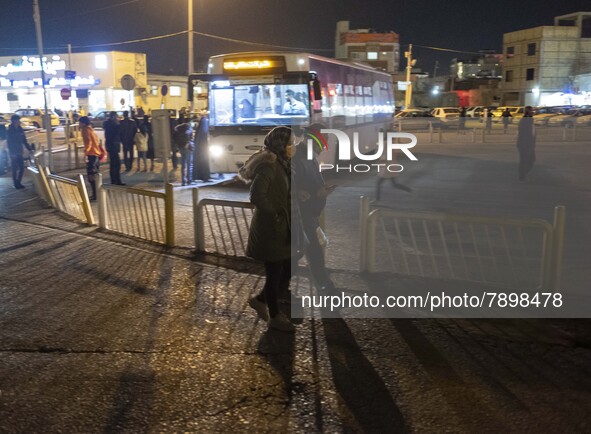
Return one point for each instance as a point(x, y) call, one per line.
point(473, 135)
point(363, 212)
point(371, 242)
point(198, 231)
point(484, 132)
point(557, 246)
point(85, 201)
point(102, 201)
point(574, 136)
point(440, 134)
point(169, 214)
point(69, 156)
point(430, 132)
point(76, 156)
point(564, 133)
point(45, 182)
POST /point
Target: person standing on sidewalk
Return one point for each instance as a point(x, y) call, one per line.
point(269, 239)
point(146, 125)
point(183, 139)
point(312, 193)
point(92, 150)
point(128, 130)
point(506, 115)
point(141, 142)
point(3, 150)
point(16, 140)
point(526, 144)
point(113, 144)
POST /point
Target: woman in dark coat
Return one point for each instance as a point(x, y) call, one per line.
point(269, 239)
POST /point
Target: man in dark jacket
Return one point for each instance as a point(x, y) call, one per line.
point(128, 128)
point(526, 144)
point(3, 150)
point(16, 140)
point(312, 193)
point(113, 145)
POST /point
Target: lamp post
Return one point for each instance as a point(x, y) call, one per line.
point(190, 52)
point(409, 64)
point(46, 116)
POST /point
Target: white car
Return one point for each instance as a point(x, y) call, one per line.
point(449, 116)
point(543, 114)
point(475, 112)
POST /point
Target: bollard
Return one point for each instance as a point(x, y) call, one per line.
point(198, 231)
point(169, 214)
point(102, 201)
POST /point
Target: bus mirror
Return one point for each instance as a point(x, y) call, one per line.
point(317, 92)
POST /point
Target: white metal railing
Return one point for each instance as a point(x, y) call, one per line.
point(138, 213)
point(221, 226)
point(66, 195)
point(473, 248)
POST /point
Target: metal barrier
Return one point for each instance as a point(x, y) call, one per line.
point(67, 157)
point(66, 195)
point(473, 248)
point(221, 226)
point(135, 212)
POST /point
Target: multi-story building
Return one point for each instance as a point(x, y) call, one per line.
point(380, 50)
point(541, 63)
point(486, 65)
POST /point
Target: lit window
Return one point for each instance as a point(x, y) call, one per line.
point(175, 91)
point(372, 55)
point(154, 90)
point(100, 61)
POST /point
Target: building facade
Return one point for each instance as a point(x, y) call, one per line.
point(93, 78)
point(541, 63)
point(486, 65)
point(380, 50)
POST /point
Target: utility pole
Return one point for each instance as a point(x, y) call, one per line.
point(190, 53)
point(435, 68)
point(409, 64)
point(46, 117)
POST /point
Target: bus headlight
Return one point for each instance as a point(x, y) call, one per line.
point(216, 151)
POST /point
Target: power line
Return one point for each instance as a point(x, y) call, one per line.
point(153, 38)
point(240, 41)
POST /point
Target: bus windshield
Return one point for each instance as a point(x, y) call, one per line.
point(257, 104)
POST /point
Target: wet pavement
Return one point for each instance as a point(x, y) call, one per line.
point(103, 333)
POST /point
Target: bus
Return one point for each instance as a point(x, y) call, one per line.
point(252, 92)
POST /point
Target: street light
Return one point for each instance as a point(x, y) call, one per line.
point(190, 49)
point(46, 116)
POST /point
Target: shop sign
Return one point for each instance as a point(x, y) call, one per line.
point(33, 64)
point(65, 93)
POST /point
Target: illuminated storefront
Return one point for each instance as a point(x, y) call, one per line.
point(94, 79)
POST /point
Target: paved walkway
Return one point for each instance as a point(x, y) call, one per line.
point(100, 333)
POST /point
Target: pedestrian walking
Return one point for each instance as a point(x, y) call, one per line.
point(384, 175)
point(113, 144)
point(506, 118)
point(526, 144)
point(17, 142)
point(150, 154)
point(488, 119)
point(92, 150)
point(3, 150)
point(128, 128)
point(312, 193)
point(462, 121)
point(269, 239)
point(184, 141)
point(201, 163)
point(141, 143)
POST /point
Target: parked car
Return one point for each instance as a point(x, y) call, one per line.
point(543, 114)
point(475, 111)
point(449, 116)
point(517, 112)
point(99, 119)
point(415, 119)
point(584, 120)
point(5, 120)
point(35, 117)
point(568, 118)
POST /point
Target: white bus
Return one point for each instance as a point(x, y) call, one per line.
point(252, 92)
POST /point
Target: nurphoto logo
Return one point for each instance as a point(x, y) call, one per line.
point(387, 144)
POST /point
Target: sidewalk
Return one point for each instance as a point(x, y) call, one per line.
point(99, 333)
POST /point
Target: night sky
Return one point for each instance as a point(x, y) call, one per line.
point(307, 24)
